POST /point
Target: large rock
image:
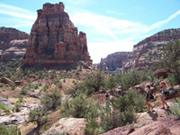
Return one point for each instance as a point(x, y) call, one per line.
point(72, 126)
point(113, 61)
point(149, 51)
point(54, 40)
point(13, 43)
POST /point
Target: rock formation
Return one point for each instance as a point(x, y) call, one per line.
point(13, 43)
point(113, 61)
point(148, 51)
point(54, 40)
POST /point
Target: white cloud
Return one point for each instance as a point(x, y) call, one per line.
point(15, 17)
point(105, 26)
point(160, 23)
point(100, 50)
point(17, 12)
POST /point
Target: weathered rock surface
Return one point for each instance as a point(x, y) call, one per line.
point(72, 126)
point(113, 61)
point(148, 51)
point(54, 40)
point(6, 81)
point(4, 101)
point(13, 43)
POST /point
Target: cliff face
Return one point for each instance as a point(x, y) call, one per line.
point(113, 61)
point(13, 43)
point(148, 51)
point(54, 40)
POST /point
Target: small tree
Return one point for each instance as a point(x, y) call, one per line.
point(38, 116)
point(111, 83)
point(51, 100)
point(95, 81)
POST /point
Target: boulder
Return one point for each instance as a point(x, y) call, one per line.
point(6, 81)
point(72, 126)
point(161, 73)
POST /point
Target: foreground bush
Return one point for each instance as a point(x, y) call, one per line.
point(175, 108)
point(51, 101)
point(79, 107)
point(9, 130)
point(38, 116)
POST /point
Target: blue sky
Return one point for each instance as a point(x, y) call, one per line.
point(110, 25)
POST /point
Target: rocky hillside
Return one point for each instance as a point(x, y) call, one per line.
point(54, 40)
point(113, 61)
point(13, 43)
point(148, 51)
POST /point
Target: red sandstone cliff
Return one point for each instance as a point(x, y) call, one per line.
point(54, 40)
point(113, 61)
point(13, 43)
point(148, 51)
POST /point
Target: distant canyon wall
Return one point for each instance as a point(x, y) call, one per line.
point(113, 61)
point(148, 51)
point(13, 43)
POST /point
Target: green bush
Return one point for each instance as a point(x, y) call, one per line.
point(94, 82)
point(175, 108)
point(51, 100)
point(10, 130)
point(17, 106)
point(24, 90)
point(38, 116)
point(4, 107)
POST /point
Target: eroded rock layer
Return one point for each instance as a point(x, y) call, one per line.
point(113, 61)
point(13, 43)
point(149, 51)
point(54, 40)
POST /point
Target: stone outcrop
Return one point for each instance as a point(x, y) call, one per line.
point(13, 43)
point(54, 40)
point(72, 126)
point(113, 61)
point(148, 51)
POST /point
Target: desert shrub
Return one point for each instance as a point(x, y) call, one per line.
point(133, 77)
point(31, 85)
point(51, 100)
point(24, 90)
point(60, 85)
point(112, 118)
point(131, 99)
point(13, 87)
point(38, 116)
point(17, 106)
point(171, 79)
point(175, 108)
point(79, 107)
point(9, 130)
point(4, 107)
point(94, 82)
point(78, 88)
point(111, 83)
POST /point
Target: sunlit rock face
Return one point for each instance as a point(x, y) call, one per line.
point(54, 40)
point(113, 61)
point(13, 43)
point(149, 51)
